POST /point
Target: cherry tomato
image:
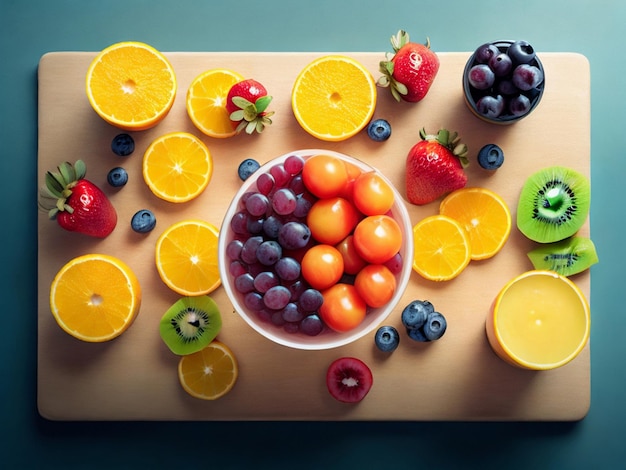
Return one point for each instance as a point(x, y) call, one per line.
point(377, 238)
point(353, 173)
point(372, 195)
point(343, 308)
point(324, 175)
point(376, 284)
point(331, 220)
point(352, 262)
point(322, 266)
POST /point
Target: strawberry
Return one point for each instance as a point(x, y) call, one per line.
point(434, 167)
point(411, 71)
point(76, 203)
point(246, 104)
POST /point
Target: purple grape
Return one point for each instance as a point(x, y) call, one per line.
point(294, 235)
point(291, 327)
point(297, 185)
point(265, 183)
point(250, 246)
point(238, 223)
point(311, 325)
point(395, 264)
point(271, 226)
point(303, 206)
point(481, 77)
point(506, 87)
point(253, 301)
point(501, 64)
point(294, 164)
point(237, 268)
point(310, 300)
point(284, 201)
point(291, 313)
point(281, 176)
point(277, 318)
point(269, 252)
point(244, 283)
point(257, 204)
point(276, 297)
point(254, 225)
point(233, 249)
point(484, 53)
point(526, 77)
point(519, 105)
point(296, 290)
point(287, 268)
point(265, 281)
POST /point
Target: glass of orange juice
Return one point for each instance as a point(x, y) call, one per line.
point(540, 320)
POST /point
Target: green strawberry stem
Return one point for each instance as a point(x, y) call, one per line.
point(450, 141)
point(58, 187)
point(251, 116)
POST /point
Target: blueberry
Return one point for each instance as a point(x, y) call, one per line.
point(387, 338)
point(123, 145)
point(490, 157)
point(435, 326)
point(501, 64)
point(117, 177)
point(521, 52)
point(481, 77)
point(143, 221)
point(379, 130)
point(484, 53)
point(519, 105)
point(526, 77)
point(247, 167)
point(490, 106)
point(415, 314)
point(417, 334)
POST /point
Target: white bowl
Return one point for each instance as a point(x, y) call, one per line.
point(328, 338)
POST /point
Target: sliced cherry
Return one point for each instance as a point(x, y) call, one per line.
point(349, 379)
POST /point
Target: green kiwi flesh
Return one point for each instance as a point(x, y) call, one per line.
point(190, 324)
point(567, 257)
point(553, 204)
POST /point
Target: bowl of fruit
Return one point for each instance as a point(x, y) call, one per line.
point(503, 81)
point(315, 249)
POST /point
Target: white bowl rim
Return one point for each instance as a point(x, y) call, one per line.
point(322, 341)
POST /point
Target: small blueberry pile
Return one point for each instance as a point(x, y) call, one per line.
point(421, 321)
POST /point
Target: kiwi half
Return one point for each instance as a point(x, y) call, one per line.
point(190, 324)
point(553, 204)
point(567, 257)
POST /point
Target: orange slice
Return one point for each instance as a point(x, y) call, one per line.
point(95, 297)
point(206, 102)
point(131, 85)
point(441, 248)
point(209, 373)
point(334, 97)
point(186, 257)
point(177, 167)
point(484, 215)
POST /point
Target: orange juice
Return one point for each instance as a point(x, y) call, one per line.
point(539, 320)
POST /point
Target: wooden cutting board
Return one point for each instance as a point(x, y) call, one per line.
point(458, 377)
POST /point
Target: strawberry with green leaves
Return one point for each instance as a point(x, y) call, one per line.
point(435, 167)
point(411, 71)
point(77, 204)
point(247, 103)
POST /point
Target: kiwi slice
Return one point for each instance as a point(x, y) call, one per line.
point(553, 204)
point(567, 257)
point(190, 324)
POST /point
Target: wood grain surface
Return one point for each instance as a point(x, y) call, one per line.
point(134, 377)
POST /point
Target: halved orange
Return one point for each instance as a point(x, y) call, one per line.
point(131, 85)
point(334, 97)
point(177, 167)
point(441, 248)
point(186, 257)
point(95, 297)
point(206, 102)
point(485, 216)
point(209, 373)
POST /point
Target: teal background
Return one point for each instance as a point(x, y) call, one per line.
point(29, 28)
